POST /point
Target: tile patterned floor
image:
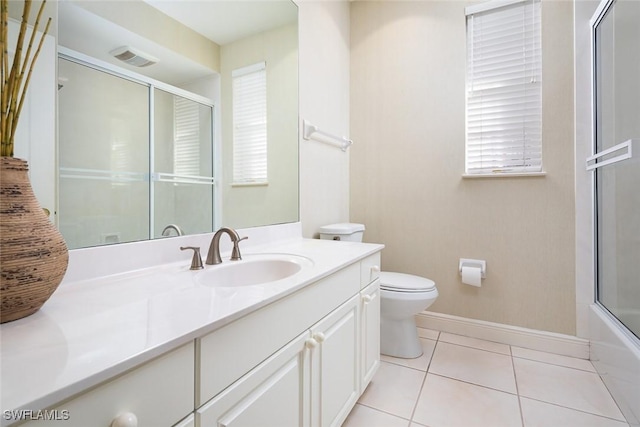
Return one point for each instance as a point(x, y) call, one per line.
point(466, 382)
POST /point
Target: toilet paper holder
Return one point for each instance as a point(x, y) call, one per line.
point(482, 264)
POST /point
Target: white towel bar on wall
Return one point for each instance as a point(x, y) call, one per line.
point(631, 147)
point(310, 131)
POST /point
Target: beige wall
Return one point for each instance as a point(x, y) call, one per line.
point(408, 121)
point(324, 101)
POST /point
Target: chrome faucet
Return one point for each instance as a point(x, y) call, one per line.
point(167, 230)
point(213, 256)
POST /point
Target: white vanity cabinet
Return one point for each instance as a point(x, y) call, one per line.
point(312, 381)
point(225, 355)
point(315, 377)
point(301, 360)
point(158, 393)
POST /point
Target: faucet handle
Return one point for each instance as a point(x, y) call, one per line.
point(196, 261)
point(235, 252)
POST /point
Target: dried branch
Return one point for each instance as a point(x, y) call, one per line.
point(4, 64)
point(26, 83)
point(15, 81)
point(15, 78)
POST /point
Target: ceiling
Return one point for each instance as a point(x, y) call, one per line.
point(220, 21)
point(226, 21)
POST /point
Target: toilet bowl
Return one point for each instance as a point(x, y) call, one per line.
point(402, 296)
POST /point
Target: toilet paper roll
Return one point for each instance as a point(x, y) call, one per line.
point(472, 276)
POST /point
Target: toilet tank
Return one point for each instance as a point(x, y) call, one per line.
point(346, 231)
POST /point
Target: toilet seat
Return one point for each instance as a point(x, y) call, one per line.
point(405, 283)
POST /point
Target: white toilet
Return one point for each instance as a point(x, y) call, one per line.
point(402, 296)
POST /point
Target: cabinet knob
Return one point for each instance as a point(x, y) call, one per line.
point(367, 298)
point(311, 343)
point(127, 419)
point(375, 268)
point(319, 337)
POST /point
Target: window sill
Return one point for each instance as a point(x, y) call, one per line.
point(250, 184)
point(504, 175)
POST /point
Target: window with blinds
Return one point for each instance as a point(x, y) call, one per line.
point(250, 124)
point(504, 88)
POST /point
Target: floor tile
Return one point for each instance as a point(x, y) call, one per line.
point(447, 402)
point(363, 416)
point(563, 386)
point(394, 389)
point(554, 359)
point(421, 363)
point(476, 383)
point(540, 414)
point(475, 343)
point(479, 367)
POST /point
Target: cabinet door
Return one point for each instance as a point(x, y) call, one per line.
point(232, 351)
point(275, 393)
point(370, 332)
point(335, 365)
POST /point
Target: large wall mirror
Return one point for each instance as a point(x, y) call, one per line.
point(206, 136)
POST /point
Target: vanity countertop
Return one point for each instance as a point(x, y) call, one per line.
point(92, 330)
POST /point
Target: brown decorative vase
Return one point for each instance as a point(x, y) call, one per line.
point(33, 254)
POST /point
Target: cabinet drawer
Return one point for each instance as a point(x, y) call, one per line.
point(369, 269)
point(230, 352)
point(158, 393)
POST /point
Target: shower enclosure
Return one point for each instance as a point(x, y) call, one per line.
point(615, 320)
point(135, 156)
point(616, 164)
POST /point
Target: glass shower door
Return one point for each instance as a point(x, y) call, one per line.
point(182, 180)
point(617, 164)
point(103, 152)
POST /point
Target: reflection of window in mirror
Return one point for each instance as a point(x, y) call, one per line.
point(250, 124)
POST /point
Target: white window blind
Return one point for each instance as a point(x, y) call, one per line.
point(504, 88)
point(186, 147)
point(250, 124)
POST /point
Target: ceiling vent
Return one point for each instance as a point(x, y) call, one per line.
point(133, 56)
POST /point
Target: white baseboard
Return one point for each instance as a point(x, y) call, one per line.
point(566, 345)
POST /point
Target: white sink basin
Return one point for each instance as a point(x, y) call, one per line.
point(253, 270)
